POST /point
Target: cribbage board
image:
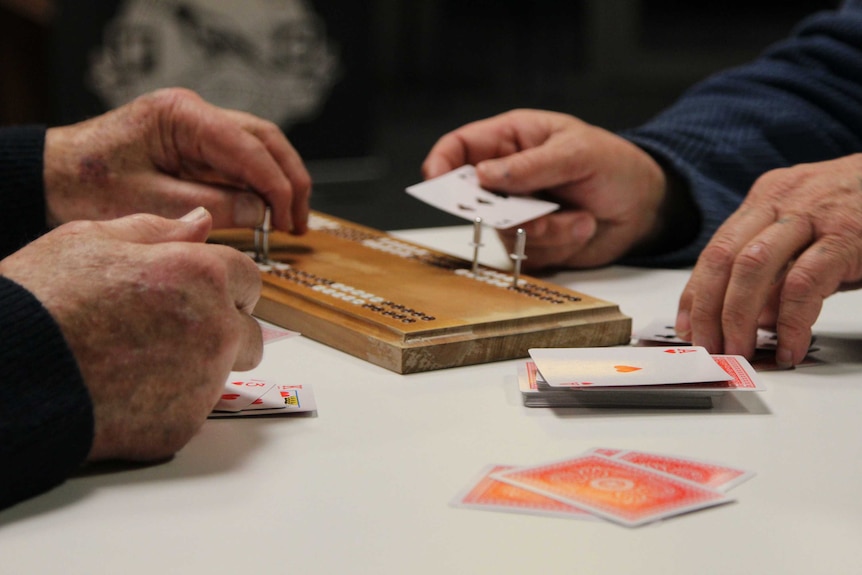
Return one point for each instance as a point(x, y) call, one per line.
point(409, 308)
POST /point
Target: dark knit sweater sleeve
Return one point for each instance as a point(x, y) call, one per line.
point(22, 218)
point(800, 102)
point(46, 416)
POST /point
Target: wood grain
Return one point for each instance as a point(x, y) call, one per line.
point(409, 308)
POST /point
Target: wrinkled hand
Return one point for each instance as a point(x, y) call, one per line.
point(611, 192)
point(155, 319)
point(795, 240)
point(168, 152)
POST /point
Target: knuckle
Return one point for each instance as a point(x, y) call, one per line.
point(270, 129)
point(800, 286)
point(779, 180)
point(193, 271)
point(78, 227)
point(734, 319)
point(172, 96)
point(793, 328)
point(301, 182)
point(719, 253)
point(700, 315)
point(752, 260)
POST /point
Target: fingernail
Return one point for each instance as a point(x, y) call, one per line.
point(196, 214)
point(433, 169)
point(583, 229)
point(492, 170)
point(683, 325)
point(248, 210)
point(784, 358)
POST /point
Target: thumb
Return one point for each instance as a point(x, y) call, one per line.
point(523, 172)
point(195, 226)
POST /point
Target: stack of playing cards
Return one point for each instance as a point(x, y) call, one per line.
point(662, 332)
point(657, 377)
point(252, 396)
point(243, 397)
point(627, 487)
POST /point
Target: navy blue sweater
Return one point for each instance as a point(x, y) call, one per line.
point(800, 102)
point(46, 417)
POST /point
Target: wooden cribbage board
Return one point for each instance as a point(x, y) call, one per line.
point(409, 308)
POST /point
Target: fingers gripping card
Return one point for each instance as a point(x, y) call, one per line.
point(458, 192)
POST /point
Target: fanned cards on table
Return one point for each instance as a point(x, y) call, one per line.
point(658, 377)
point(627, 487)
point(244, 395)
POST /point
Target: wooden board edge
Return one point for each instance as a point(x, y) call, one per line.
point(605, 327)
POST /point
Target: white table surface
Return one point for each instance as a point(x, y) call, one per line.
point(364, 486)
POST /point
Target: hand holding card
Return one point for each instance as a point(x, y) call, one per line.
point(458, 193)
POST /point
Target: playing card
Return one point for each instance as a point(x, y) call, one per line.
point(742, 377)
point(279, 399)
point(714, 475)
point(239, 394)
point(742, 374)
point(272, 333)
point(765, 361)
point(489, 494)
point(271, 399)
point(458, 192)
point(662, 332)
point(537, 393)
point(625, 366)
point(298, 397)
point(606, 451)
point(614, 489)
point(659, 331)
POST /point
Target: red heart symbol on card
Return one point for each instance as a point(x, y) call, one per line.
point(238, 383)
point(230, 396)
point(678, 350)
point(626, 368)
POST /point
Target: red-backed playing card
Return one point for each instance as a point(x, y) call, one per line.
point(616, 490)
point(705, 473)
point(489, 494)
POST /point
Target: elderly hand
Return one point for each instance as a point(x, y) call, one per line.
point(795, 240)
point(168, 152)
point(613, 194)
point(156, 320)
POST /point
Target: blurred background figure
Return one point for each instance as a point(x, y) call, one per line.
point(272, 59)
point(363, 89)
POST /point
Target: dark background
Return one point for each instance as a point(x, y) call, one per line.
point(415, 69)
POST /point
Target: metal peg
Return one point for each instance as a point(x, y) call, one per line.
point(261, 237)
point(518, 256)
point(476, 243)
